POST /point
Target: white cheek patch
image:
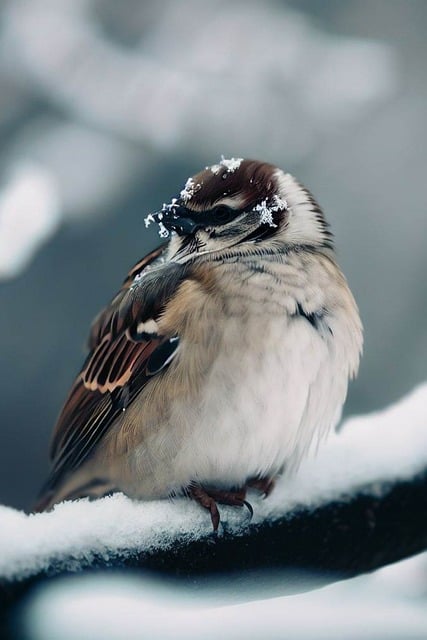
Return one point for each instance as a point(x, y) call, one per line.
point(306, 222)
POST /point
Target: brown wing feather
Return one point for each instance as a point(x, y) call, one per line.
point(88, 414)
point(102, 323)
point(119, 364)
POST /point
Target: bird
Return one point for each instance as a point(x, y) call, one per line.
point(224, 358)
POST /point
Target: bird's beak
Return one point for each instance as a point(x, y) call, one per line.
point(173, 221)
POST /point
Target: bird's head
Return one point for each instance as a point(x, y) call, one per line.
point(237, 204)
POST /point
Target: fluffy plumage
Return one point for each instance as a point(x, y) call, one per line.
point(224, 357)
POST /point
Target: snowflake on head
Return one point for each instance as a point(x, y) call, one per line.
point(189, 190)
point(231, 164)
point(266, 210)
point(163, 232)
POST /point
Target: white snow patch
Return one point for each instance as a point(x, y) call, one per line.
point(189, 190)
point(80, 529)
point(30, 213)
point(379, 447)
point(148, 220)
point(231, 164)
point(111, 607)
point(405, 579)
point(171, 204)
point(163, 232)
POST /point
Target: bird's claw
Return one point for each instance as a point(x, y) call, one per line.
point(208, 498)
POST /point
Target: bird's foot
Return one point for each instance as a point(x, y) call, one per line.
point(208, 497)
point(264, 485)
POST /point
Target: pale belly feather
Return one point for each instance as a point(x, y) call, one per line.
point(262, 409)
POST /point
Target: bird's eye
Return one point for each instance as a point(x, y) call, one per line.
point(223, 214)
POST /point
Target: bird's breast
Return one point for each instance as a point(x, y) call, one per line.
point(257, 379)
point(272, 385)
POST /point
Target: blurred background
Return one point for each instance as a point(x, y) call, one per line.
point(107, 107)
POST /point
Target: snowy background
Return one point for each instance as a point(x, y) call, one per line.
point(106, 108)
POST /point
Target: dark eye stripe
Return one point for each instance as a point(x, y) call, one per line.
point(222, 214)
point(216, 216)
point(219, 215)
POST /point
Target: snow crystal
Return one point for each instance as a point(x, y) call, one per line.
point(163, 232)
point(352, 458)
point(231, 164)
point(148, 220)
point(189, 190)
point(171, 205)
point(266, 210)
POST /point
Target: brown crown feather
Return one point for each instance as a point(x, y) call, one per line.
point(252, 181)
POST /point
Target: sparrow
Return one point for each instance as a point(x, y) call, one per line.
point(225, 356)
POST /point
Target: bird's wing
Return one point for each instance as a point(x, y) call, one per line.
point(101, 324)
point(126, 351)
